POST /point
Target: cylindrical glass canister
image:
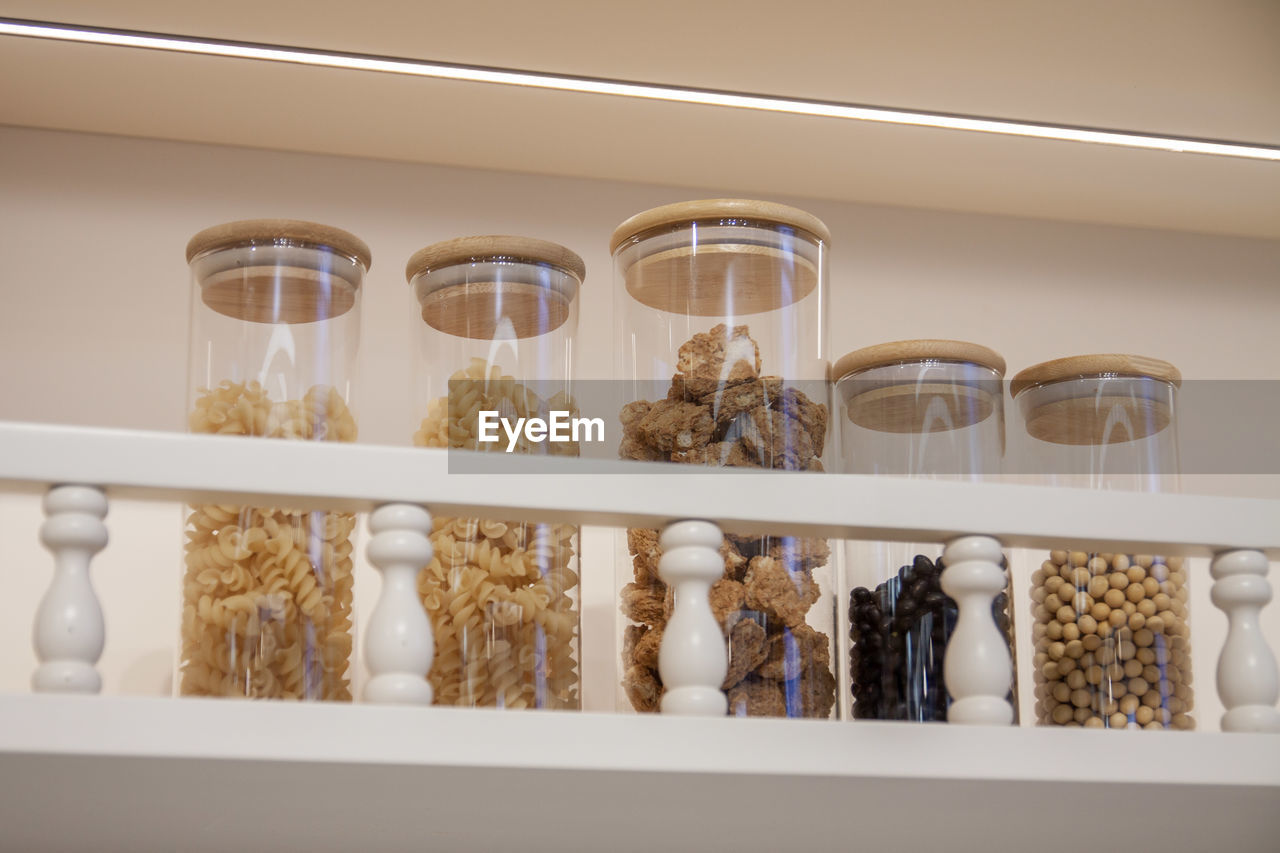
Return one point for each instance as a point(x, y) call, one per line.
point(721, 326)
point(275, 329)
point(499, 315)
point(1112, 642)
point(921, 408)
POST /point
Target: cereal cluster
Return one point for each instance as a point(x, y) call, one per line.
point(500, 594)
point(719, 411)
point(1112, 642)
point(267, 592)
point(899, 633)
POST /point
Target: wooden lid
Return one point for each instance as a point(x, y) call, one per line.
point(490, 309)
point(718, 279)
point(465, 250)
point(247, 232)
point(1082, 366)
point(718, 208)
point(277, 294)
point(901, 352)
point(922, 408)
point(1098, 420)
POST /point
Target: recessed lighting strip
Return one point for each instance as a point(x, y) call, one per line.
point(622, 88)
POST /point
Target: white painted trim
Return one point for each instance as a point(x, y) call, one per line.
point(315, 475)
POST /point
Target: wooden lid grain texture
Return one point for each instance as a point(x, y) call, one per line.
point(718, 208)
point(463, 250)
point(899, 352)
point(1080, 366)
point(251, 231)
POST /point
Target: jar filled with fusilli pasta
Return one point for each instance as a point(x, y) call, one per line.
point(267, 591)
point(499, 315)
point(721, 312)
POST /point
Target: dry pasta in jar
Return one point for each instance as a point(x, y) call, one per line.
point(502, 594)
point(267, 591)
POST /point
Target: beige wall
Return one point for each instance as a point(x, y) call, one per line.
point(94, 313)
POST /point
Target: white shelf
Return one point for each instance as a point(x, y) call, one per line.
point(198, 774)
point(237, 470)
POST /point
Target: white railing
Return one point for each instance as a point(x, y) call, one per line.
point(80, 468)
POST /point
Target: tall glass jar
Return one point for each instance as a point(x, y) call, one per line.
point(499, 315)
point(921, 408)
point(1112, 643)
point(275, 329)
point(721, 329)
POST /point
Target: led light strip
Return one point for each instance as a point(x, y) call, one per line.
point(597, 86)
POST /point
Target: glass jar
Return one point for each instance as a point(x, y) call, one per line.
point(499, 315)
point(275, 329)
point(1112, 643)
point(721, 326)
point(922, 408)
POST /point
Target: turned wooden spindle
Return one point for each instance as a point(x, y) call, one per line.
point(399, 646)
point(69, 633)
point(692, 659)
point(1248, 682)
point(978, 666)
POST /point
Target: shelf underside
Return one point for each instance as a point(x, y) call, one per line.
point(705, 149)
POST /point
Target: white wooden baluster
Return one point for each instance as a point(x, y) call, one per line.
point(978, 667)
point(69, 633)
point(692, 659)
point(398, 643)
point(1248, 682)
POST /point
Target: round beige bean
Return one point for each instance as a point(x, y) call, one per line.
point(1070, 632)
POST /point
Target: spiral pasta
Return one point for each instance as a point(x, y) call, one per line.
point(502, 595)
point(267, 592)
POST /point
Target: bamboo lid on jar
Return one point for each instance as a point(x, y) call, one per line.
point(524, 306)
point(929, 349)
point(249, 232)
point(706, 278)
point(919, 406)
point(1090, 417)
point(295, 286)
